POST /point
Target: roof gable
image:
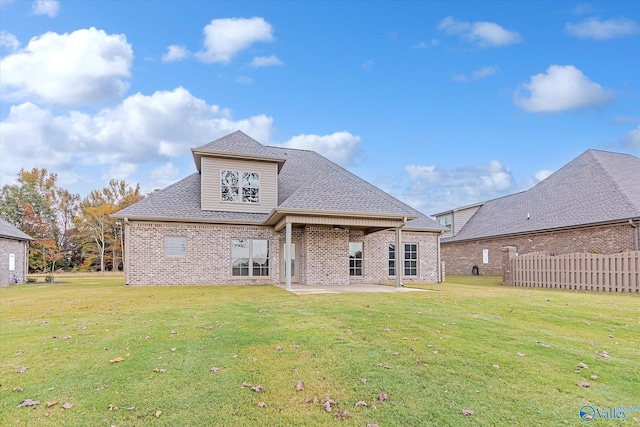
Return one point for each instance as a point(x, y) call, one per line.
point(10, 231)
point(236, 145)
point(595, 187)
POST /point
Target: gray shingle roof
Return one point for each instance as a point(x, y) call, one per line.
point(596, 187)
point(238, 143)
point(306, 181)
point(10, 231)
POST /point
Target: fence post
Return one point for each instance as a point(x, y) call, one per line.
point(508, 253)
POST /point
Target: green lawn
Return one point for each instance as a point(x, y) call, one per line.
point(434, 354)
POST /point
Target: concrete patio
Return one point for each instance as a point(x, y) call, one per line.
point(306, 290)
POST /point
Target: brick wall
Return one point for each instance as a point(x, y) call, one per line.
point(460, 257)
point(323, 255)
point(19, 249)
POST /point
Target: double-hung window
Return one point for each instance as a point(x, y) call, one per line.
point(355, 258)
point(410, 259)
point(175, 246)
point(249, 257)
point(239, 186)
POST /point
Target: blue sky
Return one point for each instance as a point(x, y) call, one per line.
point(442, 104)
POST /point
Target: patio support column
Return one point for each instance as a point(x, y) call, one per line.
point(287, 255)
point(399, 257)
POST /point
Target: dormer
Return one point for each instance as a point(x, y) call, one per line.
point(237, 174)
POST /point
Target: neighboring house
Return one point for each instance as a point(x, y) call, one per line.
point(232, 220)
point(14, 254)
point(592, 204)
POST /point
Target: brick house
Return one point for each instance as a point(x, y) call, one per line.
point(592, 204)
point(232, 221)
point(14, 254)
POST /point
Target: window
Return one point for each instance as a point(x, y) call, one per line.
point(410, 259)
point(249, 257)
point(445, 220)
point(242, 187)
point(175, 246)
point(355, 259)
point(392, 259)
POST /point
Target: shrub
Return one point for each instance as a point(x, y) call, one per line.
point(48, 278)
point(31, 280)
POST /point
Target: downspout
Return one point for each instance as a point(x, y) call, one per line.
point(400, 253)
point(439, 260)
point(125, 256)
point(635, 234)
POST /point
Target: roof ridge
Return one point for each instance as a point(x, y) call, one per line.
point(612, 178)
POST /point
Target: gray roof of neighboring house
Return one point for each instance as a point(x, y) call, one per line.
point(306, 181)
point(596, 187)
point(10, 231)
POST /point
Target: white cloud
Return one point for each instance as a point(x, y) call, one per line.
point(175, 53)
point(632, 139)
point(84, 67)
point(120, 171)
point(340, 147)
point(142, 129)
point(9, 41)
point(165, 175)
point(224, 38)
point(480, 73)
point(593, 28)
point(425, 45)
point(543, 174)
point(438, 188)
point(266, 61)
point(560, 88)
point(367, 65)
point(484, 72)
point(484, 34)
point(46, 7)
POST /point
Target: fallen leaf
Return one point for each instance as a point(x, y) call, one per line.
point(112, 407)
point(17, 389)
point(395, 353)
point(174, 332)
point(603, 354)
point(299, 386)
point(372, 425)
point(520, 354)
point(246, 384)
point(583, 384)
point(582, 365)
point(341, 338)
point(387, 330)
point(496, 366)
point(342, 416)
point(47, 414)
point(255, 360)
point(545, 345)
point(257, 388)
point(467, 412)
point(262, 404)
point(66, 406)
point(297, 346)
point(173, 349)
point(611, 336)
point(214, 369)
point(162, 371)
point(20, 369)
point(54, 403)
point(387, 367)
point(28, 402)
point(327, 406)
point(208, 328)
point(594, 377)
point(158, 413)
point(116, 360)
point(382, 397)
point(278, 348)
point(361, 403)
point(363, 380)
point(131, 408)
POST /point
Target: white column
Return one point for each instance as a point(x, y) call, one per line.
point(287, 255)
point(399, 257)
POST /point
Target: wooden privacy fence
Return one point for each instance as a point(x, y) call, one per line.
point(618, 272)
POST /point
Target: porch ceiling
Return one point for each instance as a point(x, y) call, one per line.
point(370, 225)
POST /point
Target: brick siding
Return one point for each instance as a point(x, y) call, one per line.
point(460, 257)
point(323, 255)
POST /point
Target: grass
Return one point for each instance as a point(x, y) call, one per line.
point(432, 353)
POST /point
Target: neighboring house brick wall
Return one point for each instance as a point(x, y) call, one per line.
point(20, 250)
point(460, 257)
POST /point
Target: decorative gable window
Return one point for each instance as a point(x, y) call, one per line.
point(239, 186)
point(445, 220)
